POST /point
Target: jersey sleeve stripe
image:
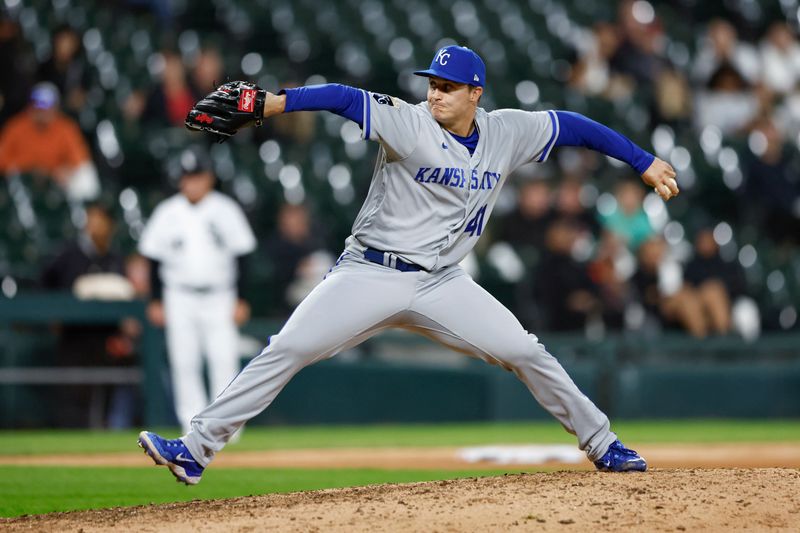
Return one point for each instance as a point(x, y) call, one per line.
point(553, 136)
point(365, 130)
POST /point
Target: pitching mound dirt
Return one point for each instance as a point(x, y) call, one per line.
point(659, 500)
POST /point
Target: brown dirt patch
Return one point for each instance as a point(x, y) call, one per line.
point(660, 500)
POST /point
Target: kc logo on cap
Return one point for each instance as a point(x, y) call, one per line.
point(457, 63)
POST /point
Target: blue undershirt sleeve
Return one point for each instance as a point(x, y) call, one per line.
point(578, 130)
point(343, 100)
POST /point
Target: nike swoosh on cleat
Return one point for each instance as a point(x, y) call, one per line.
point(183, 459)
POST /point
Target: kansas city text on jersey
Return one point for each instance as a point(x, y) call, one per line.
point(457, 177)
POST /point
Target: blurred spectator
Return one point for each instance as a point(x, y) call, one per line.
point(610, 271)
point(640, 54)
point(525, 226)
point(780, 58)
point(673, 97)
point(717, 282)
point(772, 187)
point(563, 287)
point(568, 206)
point(67, 68)
point(90, 253)
point(663, 293)
point(133, 106)
point(162, 10)
point(171, 99)
point(289, 250)
point(721, 45)
point(728, 102)
point(90, 267)
point(592, 73)
point(295, 128)
point(208, 72)
point(628, 220)
point(787, 115)
point(43, 140)
point(17, 64)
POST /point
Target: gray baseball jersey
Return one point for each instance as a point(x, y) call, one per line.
point(428, 204)
point(430, 199)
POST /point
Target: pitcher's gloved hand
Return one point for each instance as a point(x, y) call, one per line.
point(227, 109)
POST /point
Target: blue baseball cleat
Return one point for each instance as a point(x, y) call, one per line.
point(618, 458)
point(174, 455)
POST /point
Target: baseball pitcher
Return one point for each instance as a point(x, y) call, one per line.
point(440, 167)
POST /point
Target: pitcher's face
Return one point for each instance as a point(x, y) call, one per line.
point(449, 101)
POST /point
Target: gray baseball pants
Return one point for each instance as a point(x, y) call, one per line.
point(357, 300)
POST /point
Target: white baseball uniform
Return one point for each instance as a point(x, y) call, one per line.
point(427, 205)
point(197, 246)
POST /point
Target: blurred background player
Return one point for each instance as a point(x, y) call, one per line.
point(196, 240)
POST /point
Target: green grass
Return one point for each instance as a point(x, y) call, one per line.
point(275, 438)
point(34, 490)
point(38, 490)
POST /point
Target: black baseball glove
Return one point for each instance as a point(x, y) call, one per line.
point(227, 109)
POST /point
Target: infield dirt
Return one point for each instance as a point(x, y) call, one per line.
point(659, 500)
point(719, 455)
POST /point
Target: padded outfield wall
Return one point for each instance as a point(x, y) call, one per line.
point(401, 378)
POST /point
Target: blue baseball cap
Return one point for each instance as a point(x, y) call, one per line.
point(44, 95)
point(457, 63)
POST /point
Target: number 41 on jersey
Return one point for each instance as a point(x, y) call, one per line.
point(475, 225)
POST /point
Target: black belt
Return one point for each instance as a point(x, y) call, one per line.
point(200, 289)
point(390, 260)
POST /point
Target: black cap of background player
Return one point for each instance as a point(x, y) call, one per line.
point(194, 160)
